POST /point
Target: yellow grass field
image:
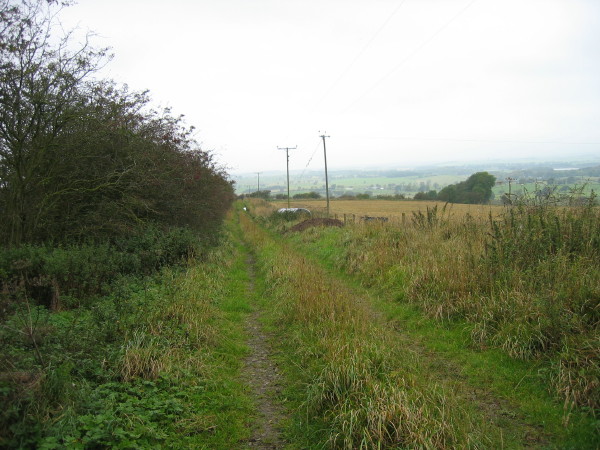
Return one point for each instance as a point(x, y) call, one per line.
point(392, 209)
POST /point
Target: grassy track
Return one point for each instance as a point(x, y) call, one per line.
point(511, 390)
point(366, 370)
point(193, 358)
point(354, 381)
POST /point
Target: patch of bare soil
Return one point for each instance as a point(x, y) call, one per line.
point(262, 375)
point(317, 223)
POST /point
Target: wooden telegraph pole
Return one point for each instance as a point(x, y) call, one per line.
point(287, 159)
point(323, 136)
point(258, 187)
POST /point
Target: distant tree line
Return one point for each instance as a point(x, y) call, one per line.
point(430, 195)
point(82, 158)
point(476, 189)
point(265, 195)
point(307, 195)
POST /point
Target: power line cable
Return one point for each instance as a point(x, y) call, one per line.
point(411, 55)
point(358, 55)
point(309, 161)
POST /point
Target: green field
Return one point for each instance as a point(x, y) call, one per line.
point(341, 184)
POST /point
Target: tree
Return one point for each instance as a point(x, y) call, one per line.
point(479, 187)
point(307, 195)
point(86, 159)
point(476, 189)
point(448, 194)
point(124, 164)
point(431, 195)
point(40, 77)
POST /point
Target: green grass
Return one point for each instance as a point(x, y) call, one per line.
point(158, 363)
point(520, 384)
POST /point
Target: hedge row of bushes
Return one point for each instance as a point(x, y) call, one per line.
point(61, 277)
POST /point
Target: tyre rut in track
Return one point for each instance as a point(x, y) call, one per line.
point(262, 376)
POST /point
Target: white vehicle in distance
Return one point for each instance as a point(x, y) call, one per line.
point(294, 211)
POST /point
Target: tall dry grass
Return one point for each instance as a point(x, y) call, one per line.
point(257, 207)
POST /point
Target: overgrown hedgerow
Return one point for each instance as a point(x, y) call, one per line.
point(63, 277)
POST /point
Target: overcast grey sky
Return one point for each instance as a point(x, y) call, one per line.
point(393, 82)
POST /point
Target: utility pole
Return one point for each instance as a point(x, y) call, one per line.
point(323, 136)
point(258, 188)
point(510, 180)
point(287, 159)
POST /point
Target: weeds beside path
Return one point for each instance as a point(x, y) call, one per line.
point(154, 365)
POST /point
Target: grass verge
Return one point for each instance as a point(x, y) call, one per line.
point(156, 364)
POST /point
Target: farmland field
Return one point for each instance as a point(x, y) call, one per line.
point(341, 184)
point(393, 209)
point(408, 184)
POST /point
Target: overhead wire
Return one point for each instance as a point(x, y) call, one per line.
point(410, 55)
point(387, 75)
point(348, 68)
point(359, 54)
point(492, 141)
point(309, 161)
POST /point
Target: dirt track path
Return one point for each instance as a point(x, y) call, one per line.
point(262, 375)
